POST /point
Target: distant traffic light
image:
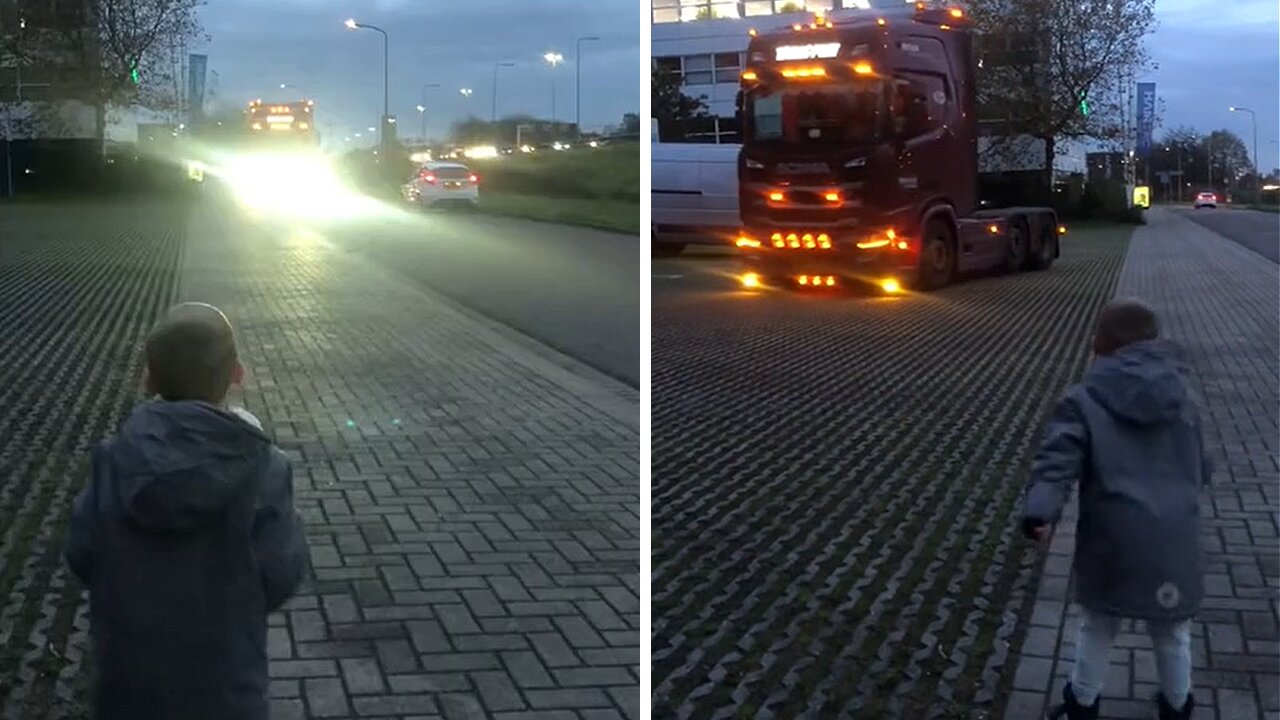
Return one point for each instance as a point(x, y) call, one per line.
point(1084, 105)
point(134, 76)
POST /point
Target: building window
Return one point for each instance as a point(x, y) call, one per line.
point(697, 70)
point(728, 67)
point(708, 9)
point(666, 11)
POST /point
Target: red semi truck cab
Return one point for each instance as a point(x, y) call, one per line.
point(859, 157)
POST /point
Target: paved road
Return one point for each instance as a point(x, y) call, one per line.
point(575, 289)
point(472, 507)
point(1231, 333)
point(1258, 231)
point(835, 482)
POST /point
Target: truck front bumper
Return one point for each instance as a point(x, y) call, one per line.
point(890, 263)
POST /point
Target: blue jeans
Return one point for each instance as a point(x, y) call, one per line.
point(1172, 641)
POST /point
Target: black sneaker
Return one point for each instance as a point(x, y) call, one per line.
point(1071, 709)
point(1168, 712)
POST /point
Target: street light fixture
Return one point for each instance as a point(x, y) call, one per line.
point(422, 108)
point(1257, 168)
point(285, 86)
point(467, 92)
point(386, 63)
point(577, 91)
point(553, 59)
point(497, 66)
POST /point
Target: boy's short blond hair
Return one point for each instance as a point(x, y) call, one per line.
point(191, 354)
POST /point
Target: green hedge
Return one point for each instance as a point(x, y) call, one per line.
point(611, 172)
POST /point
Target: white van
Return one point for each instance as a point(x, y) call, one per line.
point(694, 195)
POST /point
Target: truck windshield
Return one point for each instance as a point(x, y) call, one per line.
point(835, 114)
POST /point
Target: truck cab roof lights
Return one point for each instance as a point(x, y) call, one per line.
point(863, 68)
point(753, 32)
point(956, 13)
point(750, 75)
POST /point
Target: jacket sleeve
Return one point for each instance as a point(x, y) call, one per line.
point(1059, 463)
point(79, 552)
point(84, 515)
point(278, 539)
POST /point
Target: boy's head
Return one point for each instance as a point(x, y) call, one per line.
point(191, 355)
point(1124, 322)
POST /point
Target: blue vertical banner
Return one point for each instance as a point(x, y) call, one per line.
point(197, 66)
point(1146, 117)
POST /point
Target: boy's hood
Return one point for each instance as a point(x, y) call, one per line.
point(176, 464)
point(1143, 383)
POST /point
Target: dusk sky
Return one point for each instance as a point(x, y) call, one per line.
point(1211, 59)
point(258, 44)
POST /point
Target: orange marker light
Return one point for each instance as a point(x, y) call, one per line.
point(956, 13)
point(1062, 229)
point(944, 27)
point(993, 228)
point(862, 68)
point(891, 234)
point(832, 197)
point(872, 244)
point(804, 72)
point(830, 281)
point(804, 279)
point(744, 242)
point(881, 22)
point(777, 196)
point(752, 32)
point(891, 285)
point(750, 75)
point(750, 280)
point(902, 244)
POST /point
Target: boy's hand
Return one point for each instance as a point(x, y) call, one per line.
point(1037, 531)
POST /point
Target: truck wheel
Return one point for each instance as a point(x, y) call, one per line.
point(667, 250)
point(1019, 240)
point(937, 256)
point(1046, 250)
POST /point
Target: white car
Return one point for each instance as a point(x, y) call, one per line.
point(1206, 199)
point(438, 183)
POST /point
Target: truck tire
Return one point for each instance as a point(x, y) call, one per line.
point(937, 256)
point(1016, 254)
point(1046, 250)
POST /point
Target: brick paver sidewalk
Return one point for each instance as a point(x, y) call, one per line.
point(472, 507)
point(1222, 303)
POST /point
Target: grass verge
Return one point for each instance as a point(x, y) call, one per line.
point(615, 215)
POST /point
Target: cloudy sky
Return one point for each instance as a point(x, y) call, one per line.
point(1215, 55)
point(256, 45)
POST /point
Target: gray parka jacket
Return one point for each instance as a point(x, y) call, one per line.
point(1130, 433)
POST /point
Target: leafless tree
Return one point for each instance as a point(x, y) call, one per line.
point(103, 53)
point(1060, 68)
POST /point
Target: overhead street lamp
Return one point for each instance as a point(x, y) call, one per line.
point(577, 90)
point(386, 63)
point(466, 92)
point(422, 108)
point(497, 66)
point(285, 86)
point(1257, 169)
point(553, 59)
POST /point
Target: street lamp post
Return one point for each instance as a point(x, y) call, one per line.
point(422, 108)
point(553, 59)
point(386, 65)
point(497, 66)
point(1257, 170)
point(577, 90)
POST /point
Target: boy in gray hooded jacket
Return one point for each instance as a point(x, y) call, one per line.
point(1130, 433)
point(186, 536)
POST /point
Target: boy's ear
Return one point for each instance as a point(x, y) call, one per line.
point(238, 374)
